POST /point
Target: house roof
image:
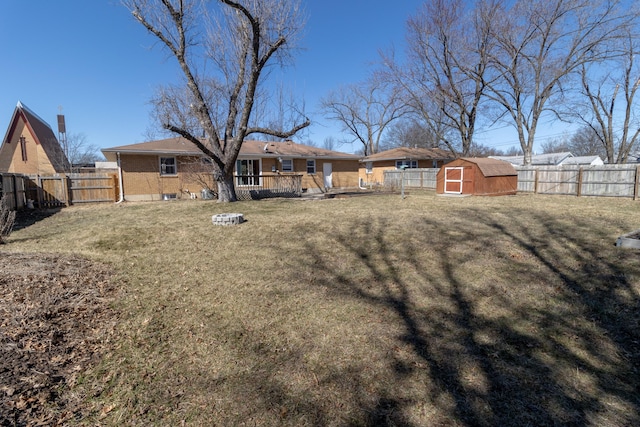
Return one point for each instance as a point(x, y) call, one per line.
point(492, 167)
point(409, 153)
point(42, 134)
point(179, 146)
point(583, 160)
point(548, 159)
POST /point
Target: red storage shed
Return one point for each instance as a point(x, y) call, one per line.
point(477, 176)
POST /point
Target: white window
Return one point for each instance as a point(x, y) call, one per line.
point(287, 165)
point(407, 164)
point(168, 166)
point(311, 166)
point(369, 167)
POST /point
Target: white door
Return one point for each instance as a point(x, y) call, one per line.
point(453, 178)
point(327, 170)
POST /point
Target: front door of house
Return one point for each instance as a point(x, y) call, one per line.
point(453, 178)
point(327, 171)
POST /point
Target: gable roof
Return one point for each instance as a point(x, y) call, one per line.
point(42, 134)
point(409, 153)
point(583, 160)
point(179, 146)
point(492, 167)
point(548, 159)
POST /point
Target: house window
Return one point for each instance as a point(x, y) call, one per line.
point(248, 172)
point(168, 166)
point(23, 148)
point(407, 164)
point(287, 165)
point(369, 167)
point(311, 166)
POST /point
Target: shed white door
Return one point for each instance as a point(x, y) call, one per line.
point(453, 178)
point(327, 171)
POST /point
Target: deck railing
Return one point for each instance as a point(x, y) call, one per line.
point(252, 187)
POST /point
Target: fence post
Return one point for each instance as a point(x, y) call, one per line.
point(39, 191)
point(66, 183)
point(535, 181)
point(637, 185)
point(15, 191)
point(579, 186)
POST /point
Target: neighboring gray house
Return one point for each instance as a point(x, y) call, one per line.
point(554, 159)
point(584, 161)
point(550, 159)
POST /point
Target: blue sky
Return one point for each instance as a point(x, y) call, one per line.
point(91, 58)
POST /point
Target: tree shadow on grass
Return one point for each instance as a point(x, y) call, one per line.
point(28, 217)
point(474, 320)
point(545, 333)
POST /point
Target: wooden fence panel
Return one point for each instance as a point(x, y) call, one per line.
point(88, 188)
point(54, 191)
point(7, 187)
point(612, 181)
point(21, 184)
point(527, 179)
point(413, 178)
point(558, 180)
point(599, 181)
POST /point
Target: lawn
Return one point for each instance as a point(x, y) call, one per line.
point(362, 311)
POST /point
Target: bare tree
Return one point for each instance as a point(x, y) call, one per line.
point(223, 49)
point(409, 133)
point(555, 145)
point(443, 78)
point(481, 150)
point(329, 143)
point(365, 111)
point(513, 151)
point(612, 104)
point(79, 151)
point(586, 142)
point(541, 44)
point(583, 142)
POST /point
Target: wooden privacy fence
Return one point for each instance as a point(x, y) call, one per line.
point(16, 187)
point(599, 181)
point(413, 178)
point(59, 190)
point(602, 181)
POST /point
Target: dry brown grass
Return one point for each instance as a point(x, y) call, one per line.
point(364, 311)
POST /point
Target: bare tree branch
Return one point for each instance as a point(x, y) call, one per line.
point(215, 112)
point(541, 45)
point(365, 111)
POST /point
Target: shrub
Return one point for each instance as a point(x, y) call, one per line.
point(7, 218)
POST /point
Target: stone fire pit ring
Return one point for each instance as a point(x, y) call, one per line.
point(227, 219)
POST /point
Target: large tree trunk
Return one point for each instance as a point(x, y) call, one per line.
point(226, 189)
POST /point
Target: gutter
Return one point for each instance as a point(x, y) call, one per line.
point(121, 195)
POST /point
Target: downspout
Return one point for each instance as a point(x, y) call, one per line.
point(121, 196)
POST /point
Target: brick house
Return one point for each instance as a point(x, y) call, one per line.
point(167, 168)
point(372, 167)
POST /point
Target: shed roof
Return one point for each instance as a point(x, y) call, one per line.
point(179, 146)
point(492, 167)
point(409, 153)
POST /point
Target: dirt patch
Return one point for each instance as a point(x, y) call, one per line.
point(55, 322)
